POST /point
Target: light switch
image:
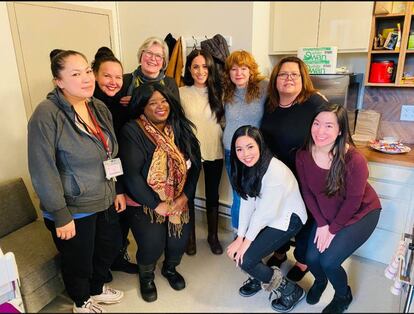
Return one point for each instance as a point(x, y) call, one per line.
point(407, 113)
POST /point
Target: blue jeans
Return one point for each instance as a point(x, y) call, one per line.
point(327, 265)
point(267, 241)
point(235, 206)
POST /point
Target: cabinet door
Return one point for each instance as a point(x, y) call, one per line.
point(293, 25)
point(345, 25)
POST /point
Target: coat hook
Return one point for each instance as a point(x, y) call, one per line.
point(195, 43)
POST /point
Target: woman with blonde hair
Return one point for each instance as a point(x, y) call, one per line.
point(244, 94)
point(152, 61)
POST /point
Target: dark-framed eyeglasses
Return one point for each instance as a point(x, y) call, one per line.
point(285, 75)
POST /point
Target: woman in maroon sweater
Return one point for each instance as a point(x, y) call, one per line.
point(333, 179)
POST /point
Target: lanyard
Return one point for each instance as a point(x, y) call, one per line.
point(98, 134)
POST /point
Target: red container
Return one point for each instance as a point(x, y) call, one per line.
point(381, 72)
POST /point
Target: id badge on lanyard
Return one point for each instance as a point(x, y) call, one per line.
point(112, 166)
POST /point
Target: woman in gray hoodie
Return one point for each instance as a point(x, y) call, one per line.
point(71, 145)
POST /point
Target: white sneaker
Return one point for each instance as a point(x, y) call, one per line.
point(108, 296)
point(88, 307)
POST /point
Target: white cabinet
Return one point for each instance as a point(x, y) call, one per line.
point(345, 25)
point(395, 187)
point(293, 25)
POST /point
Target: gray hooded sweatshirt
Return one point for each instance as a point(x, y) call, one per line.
point(65, 162)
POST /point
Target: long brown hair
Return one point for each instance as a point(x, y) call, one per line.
point(242, 58)
point(213, 81)
point(335, 182)
point(307, 86)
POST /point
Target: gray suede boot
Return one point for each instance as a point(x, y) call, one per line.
point(284, 294)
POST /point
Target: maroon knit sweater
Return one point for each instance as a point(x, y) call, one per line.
point(337, 211)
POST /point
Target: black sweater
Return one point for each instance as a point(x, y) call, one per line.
point(136, 151)
point(285, 129)
point(118, 111)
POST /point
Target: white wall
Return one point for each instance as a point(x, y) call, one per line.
point(140, 20)
point(13, 142)
point(260, 36)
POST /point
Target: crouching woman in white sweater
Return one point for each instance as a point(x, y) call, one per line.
point(271, 212)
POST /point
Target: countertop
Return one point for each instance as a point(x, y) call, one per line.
point(406, 159)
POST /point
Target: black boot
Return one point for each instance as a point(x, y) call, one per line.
point(146, 281)
point(250, 287)
point(315, 292)
point(212, 223)
point(174, 278)
point(276, 259)
point(191, 246)
point(339, 303)
point(122, 263)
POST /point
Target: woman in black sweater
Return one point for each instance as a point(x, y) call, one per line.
point(162, 161)
point(291, 104)
point(108, 72)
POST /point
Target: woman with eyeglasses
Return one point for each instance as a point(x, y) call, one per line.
point(291, 104)
point(152, 62)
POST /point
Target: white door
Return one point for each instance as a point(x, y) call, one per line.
point(38, 28)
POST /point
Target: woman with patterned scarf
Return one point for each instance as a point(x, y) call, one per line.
point(162, 161)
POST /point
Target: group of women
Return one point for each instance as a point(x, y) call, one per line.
point(111, 152)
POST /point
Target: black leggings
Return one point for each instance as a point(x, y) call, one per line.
point(86, 257)
point(346, 241)
point(301, 241)
point(153, 240)
point(266, 242)
point(212, 176)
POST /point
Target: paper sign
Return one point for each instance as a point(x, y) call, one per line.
point(319, 60)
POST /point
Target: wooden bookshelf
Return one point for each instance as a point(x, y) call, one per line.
point(403, 58)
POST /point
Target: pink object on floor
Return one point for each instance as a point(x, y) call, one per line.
point(8, 308)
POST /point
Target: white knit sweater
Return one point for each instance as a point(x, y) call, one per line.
point(279, 199)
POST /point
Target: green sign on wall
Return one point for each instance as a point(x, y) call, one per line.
point(319, 60)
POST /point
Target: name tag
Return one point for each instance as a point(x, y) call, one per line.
point(113, 168)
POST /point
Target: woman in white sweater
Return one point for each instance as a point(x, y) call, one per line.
point(201, 101)
point(271, 212)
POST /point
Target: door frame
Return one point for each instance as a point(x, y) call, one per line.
point(11, 10)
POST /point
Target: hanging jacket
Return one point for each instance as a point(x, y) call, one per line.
point(217, 47)
point(176, 64)
point(171, 41)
